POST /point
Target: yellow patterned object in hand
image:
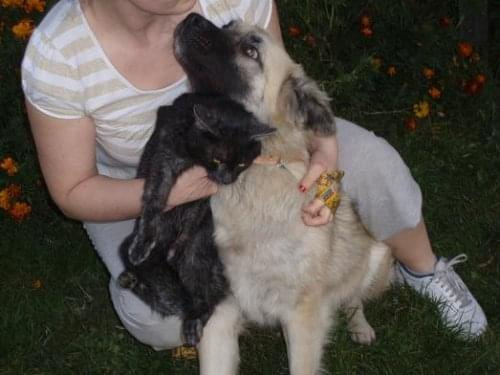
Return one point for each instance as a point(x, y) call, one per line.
point(326, 191)
point(185, 352)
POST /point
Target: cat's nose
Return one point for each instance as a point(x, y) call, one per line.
point(224, 178)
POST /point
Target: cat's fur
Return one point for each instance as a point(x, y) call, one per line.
point(170, 258)
point(280, 271)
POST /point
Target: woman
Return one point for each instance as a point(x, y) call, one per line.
point(94, 74)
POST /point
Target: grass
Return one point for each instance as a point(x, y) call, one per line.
point(56, 316)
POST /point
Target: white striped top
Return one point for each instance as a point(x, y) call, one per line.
point(66, 75)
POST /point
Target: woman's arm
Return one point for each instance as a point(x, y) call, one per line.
point(274, 24)
point(66, 152)
point(323, 158)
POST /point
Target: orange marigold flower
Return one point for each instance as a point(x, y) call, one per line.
point(12, 3)
point(30, 5)
point(23, 28)
point(391, 71)
point(465, 49)
point(428, 73)
point(311, 40)
point(14, 190)
point(37, 284)
point(421, 109)
point(480, 78)
point(376, 62)
point(365, 20)
point(434, 92)
point(20, 211)
point(4, 199)
point(444, 22)
point(411, 124)
point(9, 165)
point(367, 32)
point(472, 87)
point(294, 31)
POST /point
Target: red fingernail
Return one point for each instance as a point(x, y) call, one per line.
point(302, 188)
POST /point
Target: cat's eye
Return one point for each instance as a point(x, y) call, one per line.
point(251, 52)
point(241, 165)
point(216, 161)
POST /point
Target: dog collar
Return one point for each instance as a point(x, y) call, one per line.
point(277, 160)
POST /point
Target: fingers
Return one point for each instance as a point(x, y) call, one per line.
point(312, 208)
point(312, 174)
point(200, 183)
point(200, 188)
point(210, 188)
point(316, 213)
point(191, 185)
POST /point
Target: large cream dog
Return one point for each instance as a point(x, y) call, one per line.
point(280, 270)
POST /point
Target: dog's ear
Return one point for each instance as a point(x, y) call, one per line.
point(301, 101)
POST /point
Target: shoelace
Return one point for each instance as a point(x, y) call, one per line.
point(445, 275)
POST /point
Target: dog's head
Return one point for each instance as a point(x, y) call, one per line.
point(249, 65)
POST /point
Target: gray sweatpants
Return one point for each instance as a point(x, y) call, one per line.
point(384, 193)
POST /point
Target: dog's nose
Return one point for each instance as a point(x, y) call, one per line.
point(194, 20)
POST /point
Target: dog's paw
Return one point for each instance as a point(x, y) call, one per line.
point(363, 334)
point(192, 329)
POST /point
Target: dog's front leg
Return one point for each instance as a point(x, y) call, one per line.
point(361, 331)
point(306, 329)
point(218, 349)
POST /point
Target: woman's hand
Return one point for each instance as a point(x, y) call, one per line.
point(324, 158)
point(191, 185)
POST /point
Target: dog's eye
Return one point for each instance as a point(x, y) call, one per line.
point(251, 52)
point(216, 161)
point(241, 165)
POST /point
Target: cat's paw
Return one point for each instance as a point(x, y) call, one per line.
point(140, 250)
point(127, 280)
point(192, 329)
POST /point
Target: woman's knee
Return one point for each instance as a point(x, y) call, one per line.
point(142, 322)
point(366, 156)
point(374, 163)
point(386, 196)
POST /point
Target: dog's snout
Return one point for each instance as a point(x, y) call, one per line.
point(195, 21)
point(195, 31)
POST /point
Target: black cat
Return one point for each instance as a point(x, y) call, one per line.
point(170, 258)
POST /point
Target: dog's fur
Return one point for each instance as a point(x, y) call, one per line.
point(279, 270)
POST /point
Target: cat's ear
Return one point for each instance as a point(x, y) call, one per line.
point(259, 130)
point(204, 118)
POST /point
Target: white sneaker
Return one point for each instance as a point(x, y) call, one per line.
point(458, 307)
